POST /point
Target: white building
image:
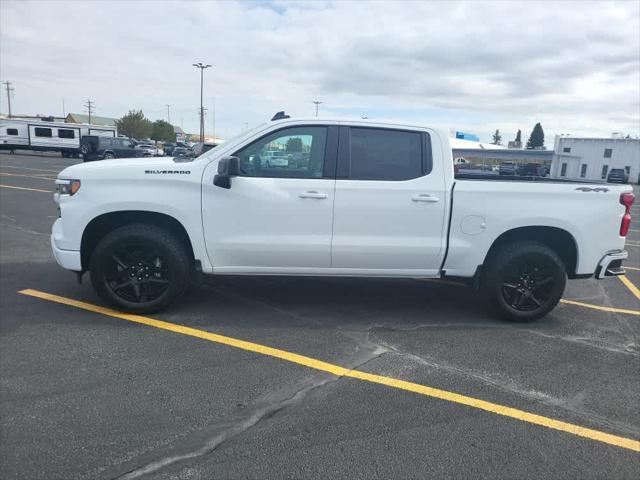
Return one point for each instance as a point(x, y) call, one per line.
point(593, 158)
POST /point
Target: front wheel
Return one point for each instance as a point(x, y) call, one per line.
point(140, 268)
point(109, 156)
point(523, 281)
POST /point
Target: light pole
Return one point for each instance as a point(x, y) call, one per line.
point(168, 113)
point(201, 66)
point(317, 104)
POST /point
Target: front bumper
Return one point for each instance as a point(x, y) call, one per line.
point(69, 259)
point(611, 264)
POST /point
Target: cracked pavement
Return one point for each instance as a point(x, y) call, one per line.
point(85, 396)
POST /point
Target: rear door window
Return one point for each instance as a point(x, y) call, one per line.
point(381, 154)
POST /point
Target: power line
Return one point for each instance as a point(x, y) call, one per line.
point(90, 106)
point(9, 90)
point(317, 104)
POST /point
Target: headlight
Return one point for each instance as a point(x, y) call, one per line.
point(67, 187)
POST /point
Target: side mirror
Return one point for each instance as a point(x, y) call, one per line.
point(227, 167)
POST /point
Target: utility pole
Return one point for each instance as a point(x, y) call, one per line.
point(213, 119)
point(168, 114)
point(9, 90)
point(64, 113)
point(317, 103)
point(90, 106)
point(201, 66)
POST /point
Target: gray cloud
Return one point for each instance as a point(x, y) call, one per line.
point(577, 65)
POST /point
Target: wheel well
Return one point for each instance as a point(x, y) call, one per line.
point(106, 223)
point(560, 241)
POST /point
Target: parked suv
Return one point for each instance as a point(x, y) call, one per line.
point(94, 147)
point(617, 175)
point(508, 168)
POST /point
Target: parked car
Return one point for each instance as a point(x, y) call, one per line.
point(200, 148)
point(94, 147)
point(531, 170)
point(618, 175)
point(273, 158)
point(508, 168)
point(384, 204)
point(168, 148)
point(146, 149)
point(182, 152)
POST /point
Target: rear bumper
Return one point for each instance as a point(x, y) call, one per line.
point(611, 264)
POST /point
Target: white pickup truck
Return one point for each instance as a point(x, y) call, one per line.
point(364, 199)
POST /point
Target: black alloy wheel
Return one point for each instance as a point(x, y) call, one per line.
point(524, 280)
point(137, 274)
point(140, 268)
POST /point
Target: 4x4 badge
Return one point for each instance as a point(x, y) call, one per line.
point(589, 189)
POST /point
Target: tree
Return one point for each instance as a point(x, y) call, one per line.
point(294, 144)
point(134, 125)
point(536, 140)
point(497, 138)
point(519, 136)
point(162, 131)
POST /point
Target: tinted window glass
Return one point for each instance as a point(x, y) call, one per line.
point(65, 133)
point(583, 170)
point(42, 132)
point(563, 170)
point(604, 171)
point(296, 152)
point(608, 152)
point(106, 142)
point(12, 131)
point(385, 154)
point(566, 150)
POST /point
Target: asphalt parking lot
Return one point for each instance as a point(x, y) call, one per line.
point(304, 378)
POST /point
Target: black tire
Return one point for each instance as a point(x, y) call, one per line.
point(85, 149)
point(523, 281)
point(144, 255)
point(109, 156)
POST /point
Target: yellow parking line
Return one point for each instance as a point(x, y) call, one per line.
point(601, 308)
point(339, 371)
point(27, 176)
point(28, 168)
point(629, 284)
point(23, 188)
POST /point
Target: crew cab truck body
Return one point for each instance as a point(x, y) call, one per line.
point(373, 199)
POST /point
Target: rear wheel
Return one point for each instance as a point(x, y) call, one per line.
point(84, 149)
point(140, 268)
point(523, 281)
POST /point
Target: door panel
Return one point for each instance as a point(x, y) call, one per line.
point(278, 214)
point(268, 222)
point(394, 224)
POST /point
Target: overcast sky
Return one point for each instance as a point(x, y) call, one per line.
point(476, 66)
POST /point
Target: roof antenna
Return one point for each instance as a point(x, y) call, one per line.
point(280, 116)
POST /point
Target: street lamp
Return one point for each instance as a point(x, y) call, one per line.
point(201, 66)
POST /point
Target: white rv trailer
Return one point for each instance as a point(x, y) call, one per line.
point(44, 136)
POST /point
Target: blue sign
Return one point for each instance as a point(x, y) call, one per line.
point(467, 136)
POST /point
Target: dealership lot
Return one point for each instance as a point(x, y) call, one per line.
point(333, 377)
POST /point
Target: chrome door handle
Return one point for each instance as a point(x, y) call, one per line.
point(313, 194)
point(425, 197)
